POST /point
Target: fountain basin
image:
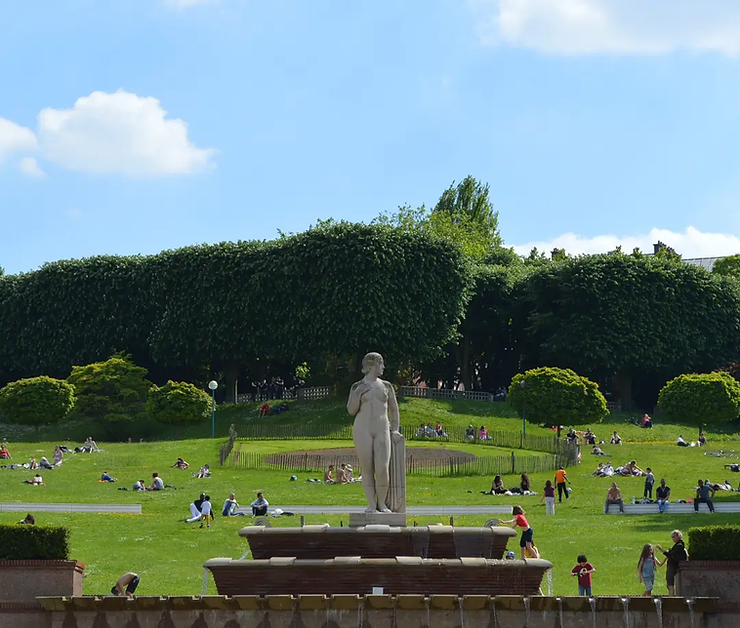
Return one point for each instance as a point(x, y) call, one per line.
point(358, 576)
point(377, 541)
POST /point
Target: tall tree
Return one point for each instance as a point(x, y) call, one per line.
point(469, 198)
point(727, 266)
point(624, 315)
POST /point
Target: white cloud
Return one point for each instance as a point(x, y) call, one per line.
point(572, 27)
point(14, 137)
point(691, 243)
point(29, 166)
point(119, 133)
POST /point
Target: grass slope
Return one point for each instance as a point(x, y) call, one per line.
point(169, 554)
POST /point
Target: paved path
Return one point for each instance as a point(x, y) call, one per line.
point(30, 507)
point(410, 510)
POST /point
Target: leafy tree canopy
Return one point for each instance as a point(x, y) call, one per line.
point(556, 396)
point(178, 403)
point(727, 266)
point(696, 399)
point(112, 393)
point(36, 401)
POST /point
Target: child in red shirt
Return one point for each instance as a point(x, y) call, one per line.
point(520, 521)
point(583, 570)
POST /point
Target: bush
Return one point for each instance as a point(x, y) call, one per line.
point(701, 398)
point(36, 401)
point(178, 403)
point(714, 543)
point(112, 393)
point(33, 542)
point(556, 396)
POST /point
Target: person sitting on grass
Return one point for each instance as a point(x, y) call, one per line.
point(204, 472)
point(497, 486)
point(631, 469)
point(589, 438)
point(58, 456)
point(157, 483)
point(230, 506)
point(328, 475)
point(28, 520)
point(45, 464)
point(32, 464)
point(181, 464)
point(483, 433)
point(195, 509)
point(599, 472)
point(345, 471)
point(264, 409)
point(646, 421)
point(139, 485)
point(702, 439)
point(105, 477)
point(524, 483)
point(616, 439)
point(259, 506)
point(470, 432)
point(36, 480)
point(681, 442)
point(4, 452)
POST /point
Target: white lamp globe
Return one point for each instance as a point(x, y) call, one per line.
point(213, 385)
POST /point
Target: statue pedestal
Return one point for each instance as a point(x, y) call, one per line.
point(395, 519)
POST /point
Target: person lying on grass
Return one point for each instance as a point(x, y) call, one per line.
point(180, 464)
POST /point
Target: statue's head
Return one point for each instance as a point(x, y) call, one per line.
point(373, 362)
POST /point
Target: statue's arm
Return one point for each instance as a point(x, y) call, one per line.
point(393, 413)
point(353, 403)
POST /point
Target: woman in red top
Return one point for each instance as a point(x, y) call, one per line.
point(526, 542)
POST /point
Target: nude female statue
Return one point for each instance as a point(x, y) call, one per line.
point(372, 402)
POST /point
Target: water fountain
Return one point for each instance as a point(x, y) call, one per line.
point(592, 603)
point(690, 604)
point(626, 607)
point(659, 609)
point(560, 612)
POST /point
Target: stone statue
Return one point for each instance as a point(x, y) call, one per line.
point(380, 447)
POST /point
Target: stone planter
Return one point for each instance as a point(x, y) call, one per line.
point(710, 578)
point(24, 580)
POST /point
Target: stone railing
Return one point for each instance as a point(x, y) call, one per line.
point(423, 392)
point(317, 392)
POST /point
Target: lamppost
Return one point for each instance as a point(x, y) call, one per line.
point(524, 410)
point(213, 384)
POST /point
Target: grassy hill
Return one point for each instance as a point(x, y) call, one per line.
point(169, 554)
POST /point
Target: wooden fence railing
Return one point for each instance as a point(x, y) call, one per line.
point(448, 467)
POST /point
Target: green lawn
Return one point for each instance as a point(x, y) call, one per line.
point(169, 554)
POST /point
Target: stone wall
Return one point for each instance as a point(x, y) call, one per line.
point(24, 580)
point(379, 611)
point(704, 578)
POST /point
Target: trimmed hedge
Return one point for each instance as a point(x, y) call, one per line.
point(714, 543)
point(26, 542)
point(700, 398)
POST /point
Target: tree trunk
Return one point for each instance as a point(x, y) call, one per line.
point(624, 386)
point(231, 381)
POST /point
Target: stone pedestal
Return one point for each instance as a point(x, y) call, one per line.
point(395, 519)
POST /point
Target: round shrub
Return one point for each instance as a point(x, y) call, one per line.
point(556, 396)
point(178, 403)
point(36, 401)
point(701, 398)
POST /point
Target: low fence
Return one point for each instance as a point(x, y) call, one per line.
point(496, 438)
point(447, 467)
point(301, 394)
point(423, 392)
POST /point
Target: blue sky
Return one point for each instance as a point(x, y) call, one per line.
point(132, 127)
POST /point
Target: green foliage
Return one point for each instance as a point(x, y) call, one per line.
point(178, 403)
point(700, 398)
point(556, 396)
point(113, 393)
point(727, 266)
point(27, 542)
point(36, 401)
point(714, 543)
point(605, 314)
point(469, 200)
point(668, 253)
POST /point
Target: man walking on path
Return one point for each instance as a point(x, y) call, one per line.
point(560, 479)
point(649, 481)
